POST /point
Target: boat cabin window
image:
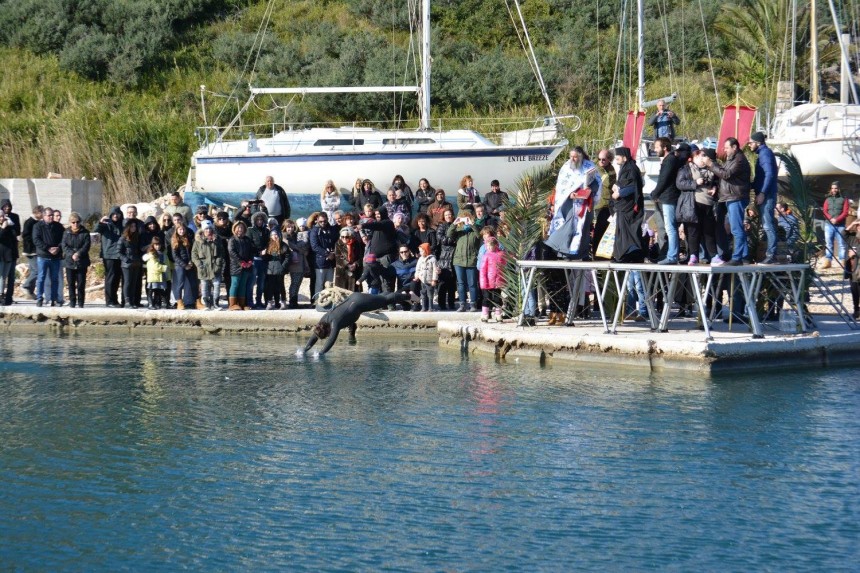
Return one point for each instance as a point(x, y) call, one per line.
point(408, 141)
point(330, 142)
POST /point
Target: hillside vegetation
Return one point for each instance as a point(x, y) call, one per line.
point(106, 89)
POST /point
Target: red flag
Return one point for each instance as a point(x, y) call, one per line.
point(737, 123)
point(633, 131)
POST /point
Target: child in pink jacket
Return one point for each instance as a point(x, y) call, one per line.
point(491, 279)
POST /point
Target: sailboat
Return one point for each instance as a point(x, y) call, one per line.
point(824, 137)
point(225, 171)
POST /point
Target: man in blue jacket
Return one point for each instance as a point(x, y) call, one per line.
point(765, 189)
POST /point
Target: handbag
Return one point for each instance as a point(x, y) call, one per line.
point(685, 209)
point(607, 242)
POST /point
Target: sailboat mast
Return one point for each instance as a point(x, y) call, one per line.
point(640, 25)
point(813, 39)
point(425, 65)
point(843, 50)
point(793, 46)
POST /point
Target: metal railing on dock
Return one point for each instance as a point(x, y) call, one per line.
point(744, 284)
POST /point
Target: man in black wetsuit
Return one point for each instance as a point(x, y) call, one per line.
point(346, 314)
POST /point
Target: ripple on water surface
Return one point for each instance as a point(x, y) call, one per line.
point(236, 453)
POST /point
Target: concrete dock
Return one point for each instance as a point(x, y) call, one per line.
point(682, 348)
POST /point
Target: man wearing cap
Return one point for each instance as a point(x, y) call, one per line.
point(275, 199)
point(765, 189)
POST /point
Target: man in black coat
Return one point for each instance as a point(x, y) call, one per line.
point(15, 220)
point(48, 238)
point(665, 196)
point(275, 199)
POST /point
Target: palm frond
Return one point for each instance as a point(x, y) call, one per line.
point(523, 215)
point(802, 200)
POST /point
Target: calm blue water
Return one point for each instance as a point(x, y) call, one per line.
point(231, 453)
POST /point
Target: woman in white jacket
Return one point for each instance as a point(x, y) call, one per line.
point(330, 199)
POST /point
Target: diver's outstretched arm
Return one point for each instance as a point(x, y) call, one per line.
point(332, 338)
point(311, 342)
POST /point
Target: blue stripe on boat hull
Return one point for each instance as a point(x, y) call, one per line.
point(382, 156)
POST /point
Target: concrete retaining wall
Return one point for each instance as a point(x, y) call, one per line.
point(67, 195)
point(678, 350)
point(639, 349)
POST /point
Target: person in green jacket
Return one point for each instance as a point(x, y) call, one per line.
point(209, 255)
point(467, 233)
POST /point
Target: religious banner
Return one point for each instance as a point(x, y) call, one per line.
point(633, 127)
point(737, 123)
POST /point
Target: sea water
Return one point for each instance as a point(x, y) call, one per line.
point(236, 453)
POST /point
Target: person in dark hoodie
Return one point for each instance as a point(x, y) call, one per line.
point(110, 228)
point(437, 208)
point(76, 259)
point(15, 225)
point(131, 257)
point(224, 230)
point(150, 229)
point(258, 234)
point(369, 194)
point(48, 238)
point(8, 252)
point(383, 242)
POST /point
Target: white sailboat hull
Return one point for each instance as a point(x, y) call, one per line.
point(227, 173)
point(825, 138)
point(822, 158)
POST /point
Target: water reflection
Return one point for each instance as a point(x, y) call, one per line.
point(145, 452)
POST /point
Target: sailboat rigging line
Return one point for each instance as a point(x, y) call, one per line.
point(412, 6)
point(710, 61)
point(534, 58)
point(664, 24)
point(258, 42)
point(618, 51)
point(597, 27)
point(520, 37)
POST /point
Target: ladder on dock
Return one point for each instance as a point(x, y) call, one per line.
point(833, 301)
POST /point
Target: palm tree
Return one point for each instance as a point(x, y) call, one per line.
point(757, 35)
